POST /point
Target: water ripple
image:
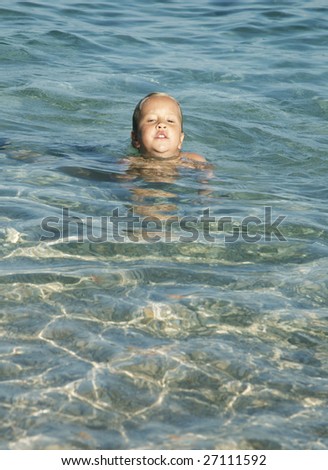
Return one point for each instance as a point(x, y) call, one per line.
point(208, 345)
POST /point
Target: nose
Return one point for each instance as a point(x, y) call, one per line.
point(161, 125)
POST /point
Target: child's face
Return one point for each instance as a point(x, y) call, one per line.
point(159, 132)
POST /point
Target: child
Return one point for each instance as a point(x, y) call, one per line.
point(157, 132)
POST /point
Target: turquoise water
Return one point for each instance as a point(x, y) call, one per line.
point(176, 344)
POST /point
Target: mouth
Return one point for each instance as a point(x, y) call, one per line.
point(161, 135)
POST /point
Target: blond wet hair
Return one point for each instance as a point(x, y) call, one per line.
point(138, 108)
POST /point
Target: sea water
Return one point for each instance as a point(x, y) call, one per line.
point(206, 334)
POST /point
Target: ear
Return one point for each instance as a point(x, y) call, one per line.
point(134, 140)
point(181, 140)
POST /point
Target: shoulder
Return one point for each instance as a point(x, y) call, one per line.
point(194, 157)
point(194, 160)
point(198, 162)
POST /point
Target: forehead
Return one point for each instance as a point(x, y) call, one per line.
point(160, 104)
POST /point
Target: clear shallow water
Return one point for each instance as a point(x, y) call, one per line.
point(173, 345)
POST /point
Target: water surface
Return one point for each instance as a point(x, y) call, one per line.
point(177, 344)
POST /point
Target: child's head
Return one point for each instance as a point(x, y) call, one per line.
point(157, 126)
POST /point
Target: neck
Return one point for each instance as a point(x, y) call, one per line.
point(160, 158)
